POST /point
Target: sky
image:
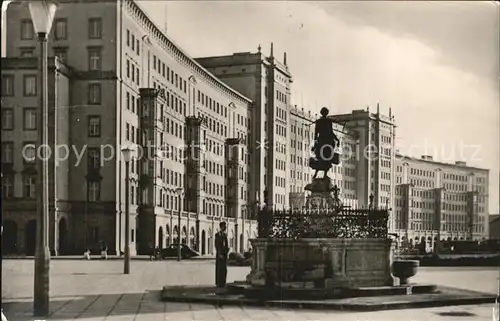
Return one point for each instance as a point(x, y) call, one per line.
point(436, 64)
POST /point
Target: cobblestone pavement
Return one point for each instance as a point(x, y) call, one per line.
point(98, 290)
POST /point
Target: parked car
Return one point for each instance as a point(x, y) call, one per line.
point(171, 251)
point(238, 259)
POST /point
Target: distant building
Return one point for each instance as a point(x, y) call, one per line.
point(267, 81)
point(439, 200)
point(494, 227)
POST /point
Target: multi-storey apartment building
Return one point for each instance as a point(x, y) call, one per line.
point(128, 85)
point(267, 82)
point(19, 113)
point(440, 201)
point(222, 129)
point(370, 168)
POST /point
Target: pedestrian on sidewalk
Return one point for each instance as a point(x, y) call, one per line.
point(86, 254)
point(222, 250)
point(104, 251)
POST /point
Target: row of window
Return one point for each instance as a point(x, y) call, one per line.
point(298, 160)
point(281, 97)
point(281, 113)
point(60, 29)
point(29, 118)
point(280, 130)
point(280, 199)
point(166, 72)
point(28, 152)
point(133, 72)
point(29, 85)
point(29, 186)
point(301, 131)
point(133, 42)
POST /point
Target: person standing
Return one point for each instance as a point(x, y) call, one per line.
point(221, 250)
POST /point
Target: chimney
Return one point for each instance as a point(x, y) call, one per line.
point(378, 109)
point(284, 58)
point(272, 50)
point(390, 112)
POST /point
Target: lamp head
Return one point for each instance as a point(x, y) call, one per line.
point(127, 153)
point(42, 14)
point(179, 191)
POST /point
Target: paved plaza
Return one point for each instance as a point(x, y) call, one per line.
point(98, 290)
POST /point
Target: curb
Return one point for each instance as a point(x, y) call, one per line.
point(325, 305)
point(110, 258)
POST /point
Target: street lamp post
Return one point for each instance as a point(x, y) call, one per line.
point(42, 14)
point(179, 191)
point(127, 154)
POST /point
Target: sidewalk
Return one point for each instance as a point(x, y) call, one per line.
point(98, 290)
point(110, 257)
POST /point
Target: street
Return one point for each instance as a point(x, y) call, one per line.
point(98, 290)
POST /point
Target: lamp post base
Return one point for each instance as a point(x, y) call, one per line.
point(42, 272)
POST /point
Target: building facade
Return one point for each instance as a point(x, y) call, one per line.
point(440, 201)
point(221, 129)
point(19, 113)
point(130, 85)
point(267, 81)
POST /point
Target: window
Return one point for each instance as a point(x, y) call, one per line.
point(61, 53)
point(60, 29)
point(29, 119)
point(137, 47)
point(30, 186)
point(95, 28)
point(29, 153)
point(94, 191)
point(8, 85)
point(94, 158)
point(29, 85)
point(27, 30)
point(94, 129)
point(7, 118)
point(8, 186)
point(128, 38)
point(7, 152)
point(95, 58)
point(94, 93)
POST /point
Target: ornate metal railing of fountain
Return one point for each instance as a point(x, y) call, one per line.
point(323, 223)
point(322, 248)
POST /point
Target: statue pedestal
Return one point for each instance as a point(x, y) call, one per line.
point(321, 263)
point(323, 194)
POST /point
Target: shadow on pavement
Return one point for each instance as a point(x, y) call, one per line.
point(99, 306)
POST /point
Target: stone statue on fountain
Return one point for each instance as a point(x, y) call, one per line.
point(325, 156)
